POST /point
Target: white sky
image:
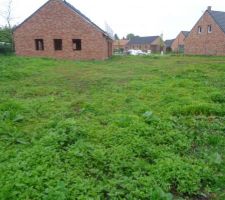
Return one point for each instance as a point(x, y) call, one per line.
point(141, 17)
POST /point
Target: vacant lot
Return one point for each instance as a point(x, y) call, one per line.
point(126, 128)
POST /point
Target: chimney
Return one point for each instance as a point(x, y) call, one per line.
point(209, 8)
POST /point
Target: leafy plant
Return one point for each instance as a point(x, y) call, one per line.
point(147, 127)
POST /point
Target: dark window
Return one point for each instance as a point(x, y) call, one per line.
point(39, 44)
point(58, 44)
point(209, 28)
point(199, 29)
point(77, 44)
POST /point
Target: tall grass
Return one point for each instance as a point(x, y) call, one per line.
point(126, 128)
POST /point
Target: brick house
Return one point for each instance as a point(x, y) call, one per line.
point(59, 30)
point(119, 45)
point(207, 37)
point(178, 44)
point(153, 43)
point(168, 44)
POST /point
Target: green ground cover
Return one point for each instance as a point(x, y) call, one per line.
point(126, 128)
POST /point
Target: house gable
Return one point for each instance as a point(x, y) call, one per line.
point(64, 5)
point(56, 20)
point(204, 42)
point(206, 14)
point(158, 41)
point(178, 43)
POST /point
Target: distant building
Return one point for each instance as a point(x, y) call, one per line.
point(153, 43)
point(168, 44)
point(59, 30)
point(178, 44)
point(119, 45)
point(207, 37)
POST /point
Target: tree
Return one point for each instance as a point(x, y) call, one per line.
point(6, 14)
point(5, 35)
point(161, 42)
point(116, 37)
point(109, 30)
point(130, 36)
point(5, 40)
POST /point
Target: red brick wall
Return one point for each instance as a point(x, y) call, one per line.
point(205, 43)
point(56, 21)
point(110, 48)
point(178, 41)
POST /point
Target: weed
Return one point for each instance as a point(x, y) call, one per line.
point(131, 127)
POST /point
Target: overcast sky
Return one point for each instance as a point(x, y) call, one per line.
point(141, 17)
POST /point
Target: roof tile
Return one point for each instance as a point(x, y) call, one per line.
point(219, 18)
point(142, 40)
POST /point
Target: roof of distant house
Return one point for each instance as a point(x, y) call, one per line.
point(120, 42)
point(219, 18)
point(142, 40)
point(168, 43)
point(186, 33)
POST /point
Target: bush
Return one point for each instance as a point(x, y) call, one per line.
point(6, 48)
point(218, 97)
point(200, 109)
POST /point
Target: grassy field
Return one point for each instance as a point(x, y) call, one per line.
point(127, 128)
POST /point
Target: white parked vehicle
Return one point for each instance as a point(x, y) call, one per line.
point(135, 52)
point(132, 52)
point(140, 52)
point(149, 52)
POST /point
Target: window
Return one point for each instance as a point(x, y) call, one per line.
point(209, 28)
point(77, 44)
point(39, 44)
point(58, 44)
point(199, 29)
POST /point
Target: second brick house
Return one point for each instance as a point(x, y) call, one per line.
point(207, 37)
point(59, 30)
point(178, 44)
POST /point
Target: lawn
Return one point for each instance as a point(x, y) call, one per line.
point(126, 128)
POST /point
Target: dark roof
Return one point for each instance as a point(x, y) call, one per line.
point(142, 40)
point(168, 43)
point(186, 33)
point(219, 18)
